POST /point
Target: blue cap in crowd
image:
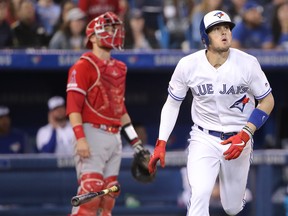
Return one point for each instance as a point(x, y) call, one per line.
point(252, 5)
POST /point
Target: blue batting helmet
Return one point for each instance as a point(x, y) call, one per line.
point(210, 19)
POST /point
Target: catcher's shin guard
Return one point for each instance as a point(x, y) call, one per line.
point(108, 201)
point(89, 182)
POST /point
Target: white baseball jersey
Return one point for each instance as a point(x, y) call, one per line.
point(223, 98)
point(64, 138)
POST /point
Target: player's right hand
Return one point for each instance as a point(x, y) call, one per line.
point(238, 143)
point(82, 148)
point(159, 154)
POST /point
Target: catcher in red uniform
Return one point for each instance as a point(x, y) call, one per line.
point(97, 112)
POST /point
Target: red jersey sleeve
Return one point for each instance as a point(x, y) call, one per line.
point(79, 81)
point(75, 101)
point(80, 77)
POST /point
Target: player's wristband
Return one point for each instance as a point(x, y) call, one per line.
point(248, 130)
point(78, 131)
point(258, 118)
point(130, 134)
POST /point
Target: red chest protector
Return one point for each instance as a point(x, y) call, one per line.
point(105, 97)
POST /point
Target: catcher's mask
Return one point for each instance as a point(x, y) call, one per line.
point(209, 20)
point(98, 26)
point(141, 174)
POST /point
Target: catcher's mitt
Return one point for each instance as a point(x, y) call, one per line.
point(139, 167)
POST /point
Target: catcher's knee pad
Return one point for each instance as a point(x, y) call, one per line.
point(108, 201)
point(90, 182)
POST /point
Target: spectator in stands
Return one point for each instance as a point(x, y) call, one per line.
point(5, 30)
point(176, 20)
point(65, 6)
point(198, 12)
point(143, 136)
point(71, 35)
point(57, 135)
point(269, 10)
point(48, 13)
point(252, 32)
point(280, 26)
point(137, 37)
point(13, 9)
point(152, 10)
point(94, 8)
point(234, 10)
point(12, 140)
point(27, 32)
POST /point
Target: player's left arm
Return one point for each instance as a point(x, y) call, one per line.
point(261, 113)
point(141, 155)
point(129, 133)
point(260, 87)
point(256, 120)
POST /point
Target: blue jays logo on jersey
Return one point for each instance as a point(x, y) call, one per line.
point(240, 104)
point(219, 14)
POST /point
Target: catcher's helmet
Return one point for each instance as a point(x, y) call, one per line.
point(108, 40)
point(210, 19)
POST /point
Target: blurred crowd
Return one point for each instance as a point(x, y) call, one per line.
point(157, 24)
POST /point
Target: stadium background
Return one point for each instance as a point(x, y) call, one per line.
point(29, 77)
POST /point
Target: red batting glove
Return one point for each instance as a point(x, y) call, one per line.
point(238, 143)
point(159, 154)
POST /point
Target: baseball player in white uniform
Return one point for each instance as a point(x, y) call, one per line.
point(224, 83)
